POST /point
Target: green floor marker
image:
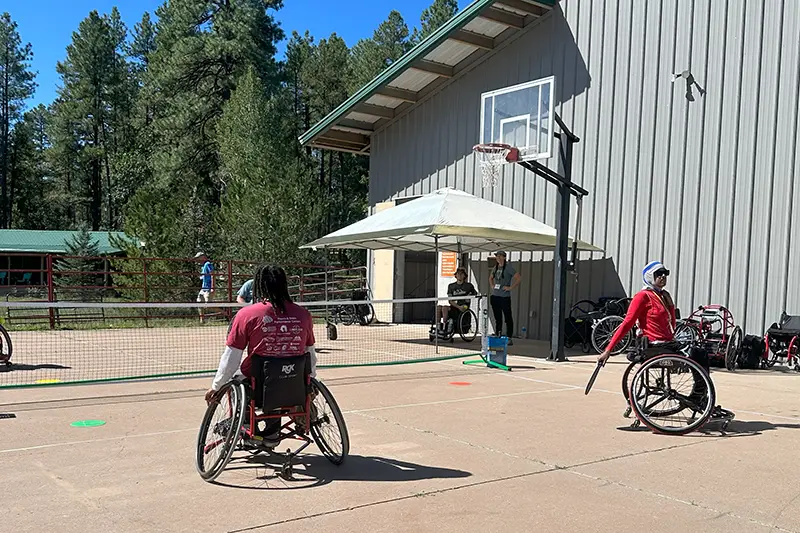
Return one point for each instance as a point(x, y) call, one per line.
point(88, 423)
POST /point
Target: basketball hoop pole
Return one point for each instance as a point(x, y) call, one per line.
point(565, 189)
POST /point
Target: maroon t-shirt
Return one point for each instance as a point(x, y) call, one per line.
point(264, 331)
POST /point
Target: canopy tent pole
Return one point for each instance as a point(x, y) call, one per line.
point(436, 303)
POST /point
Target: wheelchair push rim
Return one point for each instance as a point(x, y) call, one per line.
point(664, 379)
point(468, 325)
point(220, 431)
point(327, 425)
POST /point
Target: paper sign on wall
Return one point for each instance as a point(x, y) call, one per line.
point(449, 262)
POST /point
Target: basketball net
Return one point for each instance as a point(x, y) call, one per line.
point(492, 157)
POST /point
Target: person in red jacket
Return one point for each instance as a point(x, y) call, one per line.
point(654, 309)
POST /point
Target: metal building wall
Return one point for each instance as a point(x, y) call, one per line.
point(705, 185)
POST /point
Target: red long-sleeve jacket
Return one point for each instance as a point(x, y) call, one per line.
point(655, 315)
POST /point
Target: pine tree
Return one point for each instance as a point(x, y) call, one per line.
point(201, 48)
point(31, 187)
point(16, 85)
point(80, 270)
point(91, 104)
point(433, 17)
point(370, 56)
point(270, 206)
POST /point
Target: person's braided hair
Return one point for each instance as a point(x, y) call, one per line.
point(270, 283)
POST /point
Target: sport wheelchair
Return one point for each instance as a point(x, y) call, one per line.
point(466, 325)
point(783, 342)
point(281, 387)
point(658, 386)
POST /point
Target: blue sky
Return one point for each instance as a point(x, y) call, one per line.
point(48, 24)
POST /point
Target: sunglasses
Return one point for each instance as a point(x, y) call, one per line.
point(660, 273)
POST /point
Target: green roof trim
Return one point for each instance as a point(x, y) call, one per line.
point(398, 67)
point(55, 242)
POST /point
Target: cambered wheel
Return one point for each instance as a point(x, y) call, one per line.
point(661, 395)
point(368, 315)
point(468, 325)
point(733, 348)
point(220, 430)
point(327, 424)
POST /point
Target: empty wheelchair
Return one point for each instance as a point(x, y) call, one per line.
point(669, 393)
point(783, 342)
point(281, 388)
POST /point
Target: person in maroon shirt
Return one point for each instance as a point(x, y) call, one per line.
point(654, 309)
point(273, 326)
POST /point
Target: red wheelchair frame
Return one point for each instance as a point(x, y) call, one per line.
point(304, 423)
point(717, 333)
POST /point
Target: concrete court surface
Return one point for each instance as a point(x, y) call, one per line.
point(519, 451)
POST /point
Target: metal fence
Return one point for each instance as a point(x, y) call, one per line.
point(53, 278)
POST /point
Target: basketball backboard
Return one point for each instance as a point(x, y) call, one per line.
point(520, 116)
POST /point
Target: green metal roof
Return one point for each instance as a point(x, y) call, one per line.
point(463, 40)
point(54, 242)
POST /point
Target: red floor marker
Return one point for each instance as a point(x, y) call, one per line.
point(460, 383)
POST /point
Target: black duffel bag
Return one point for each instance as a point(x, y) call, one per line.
point(753, 347)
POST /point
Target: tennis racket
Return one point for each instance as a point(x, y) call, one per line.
point(594, 377)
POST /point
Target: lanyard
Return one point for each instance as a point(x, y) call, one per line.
point(664, 305)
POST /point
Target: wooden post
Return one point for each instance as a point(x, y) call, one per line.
point(146, 293)
point(51, 292)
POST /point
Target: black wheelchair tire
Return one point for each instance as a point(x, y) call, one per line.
point(369, 318)
point(697, 421)
point(211, 473)
point(6, 348)
point(626, 380)
point(733, 349)
point(468, 337)
point(322, 443)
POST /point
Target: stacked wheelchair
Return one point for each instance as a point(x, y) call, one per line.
point(659, 392)
point(592, 324)
point(282, 388)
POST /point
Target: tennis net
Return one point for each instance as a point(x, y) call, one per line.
point(77, 342)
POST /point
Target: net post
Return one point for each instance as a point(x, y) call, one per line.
point(51, 291)
point(146, 293)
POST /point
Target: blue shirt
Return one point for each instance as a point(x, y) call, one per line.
point(208, 268)
point(246, 291)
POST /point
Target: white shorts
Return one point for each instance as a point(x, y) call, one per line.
point(204, 296)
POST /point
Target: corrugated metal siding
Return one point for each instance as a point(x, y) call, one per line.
point(705, 185)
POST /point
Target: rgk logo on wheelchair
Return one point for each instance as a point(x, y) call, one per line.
point(281, 388)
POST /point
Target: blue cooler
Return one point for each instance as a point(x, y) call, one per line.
point(498, 350)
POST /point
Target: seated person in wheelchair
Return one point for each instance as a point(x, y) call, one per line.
point(460, 287)
point(654, 309)
point(273, 327)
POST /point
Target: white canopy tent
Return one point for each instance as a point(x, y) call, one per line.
point(447, 220)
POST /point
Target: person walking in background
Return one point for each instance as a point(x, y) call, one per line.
point(207, 282)
point(502, 279)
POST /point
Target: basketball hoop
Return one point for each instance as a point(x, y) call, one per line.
point(492, 157)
